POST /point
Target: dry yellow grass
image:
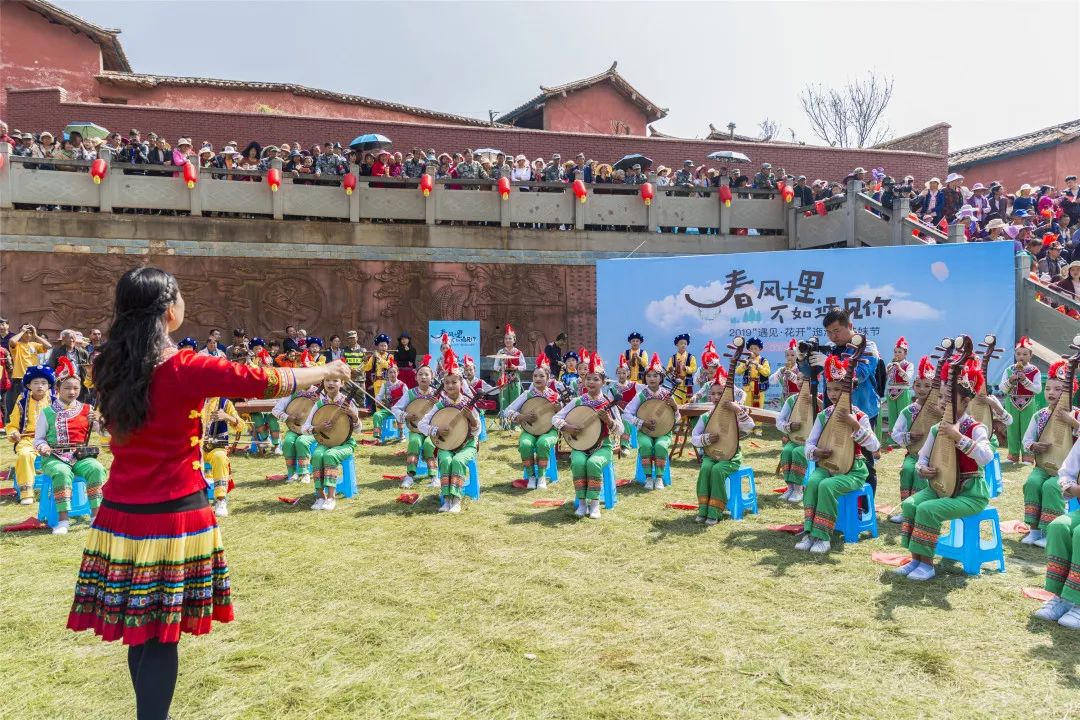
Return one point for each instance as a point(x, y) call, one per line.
point(380, 610)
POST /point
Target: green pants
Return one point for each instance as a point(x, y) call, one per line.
point(264, 424)
point(378, 418)
point(535, 450)
point(1063, 557)
point(894, 408)
point(454, 467)
point(925, 511)
point(326, 464)
point(588, 471)
point(1043, 501)
point(656, 448)
point(297, 452)
point(63, 475)
point(510, 391)
point(418, 444)
point(793, 463)
point(1021, 420)
point(910, 480)
point(822, 497)
point(712, 485)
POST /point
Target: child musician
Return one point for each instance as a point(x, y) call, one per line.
point(653, 452)
point(755, 374)
point(418, 442)
point(296, 448)
point(713, 475)
point(682, 365)
point(569, 375)
point(508, 369)
point(788, 376)
point(899, 373)
point(314, 357)
point(710, 360)
point(924, 512)
point(326, 461)
point(625, 391)
point(66, 421)
point(445, 343)
point(635, 359)
point(1063, 553)
point(535, 450)
point(588, 467)
point(793, 454)
point(377, 363)
point(910, 482)
point(1021, 385)
point(218, 417)
point(1043, 502)
point(453, 464)
point(823, 490)
point(37, 385)
point(265, 426)
point(474, 385)
point(392, 391)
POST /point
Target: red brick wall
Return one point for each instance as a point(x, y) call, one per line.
point(43, 109)
point(594, 110)
point(1046, 166)
point(933, 140)
point(36, 53)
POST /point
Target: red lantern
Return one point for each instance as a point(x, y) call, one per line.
point(273, 179)
point(426, 184)
point(98, 168)
point(819, 207)
point(789, 194)
point(1, 162)
point(579, 190)
point(191, 175)
point(781, 186)
point(504, 188)
point(725, 195)
point(349, 183)
point(647, 193)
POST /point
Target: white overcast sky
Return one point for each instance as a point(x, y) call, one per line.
point(990, 69)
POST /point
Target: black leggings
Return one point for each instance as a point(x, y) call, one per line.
point(153, 667)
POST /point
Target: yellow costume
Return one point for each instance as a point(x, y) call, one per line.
point(218, 457)
point(755, 377)
point(375, 367)
point(24, 448)
point(688, 363)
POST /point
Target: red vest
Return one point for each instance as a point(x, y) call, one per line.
point(966, 464)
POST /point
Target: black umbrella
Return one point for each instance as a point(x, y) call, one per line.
point(628, 161)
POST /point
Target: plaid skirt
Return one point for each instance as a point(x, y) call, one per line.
point(152, 575)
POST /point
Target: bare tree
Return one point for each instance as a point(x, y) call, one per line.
point(769, 129)
point(849, 116)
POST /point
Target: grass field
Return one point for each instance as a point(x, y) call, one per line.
point(382, 610)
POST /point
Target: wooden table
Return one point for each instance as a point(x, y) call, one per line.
point(692, 411)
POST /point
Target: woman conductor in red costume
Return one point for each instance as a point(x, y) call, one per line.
point(154, 566)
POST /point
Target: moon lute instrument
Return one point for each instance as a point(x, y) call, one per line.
point(806, 408)
point(1057, 433)
point(723, 425)
point(591, 432)
point(946, 483)
point(929, 414)
point(331, 424)
point(836, 436)
point(421, 406)
point(453, 424)
point(659, 410)
point(298, 410)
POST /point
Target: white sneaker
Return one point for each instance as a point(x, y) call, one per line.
point(1031, 537)
point(1053, 609)
point(435, 482)
point(455, 505)
point(699, 519)
point(221, 509)
point(532, 484)
point(541, 484)
point(805, 543)
point(305, 479)
point(318, 504)
point(922, 573)
point(1071, 619)
point(906, 568)
point(897, 518)
point(27, 501)
point(649, 485)
point(445, 504)
point(277, 450)
point(594, 509)
point(1041, 542)
point(796, 496)
point(291, 478)
point(711, 521)
point(61, 527)
point(787, 493)
point(330, 504)
point(582, 508)
point(820, 547)
point(407, 481)
point(658, 483)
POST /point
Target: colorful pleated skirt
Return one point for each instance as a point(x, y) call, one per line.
point(152, 575)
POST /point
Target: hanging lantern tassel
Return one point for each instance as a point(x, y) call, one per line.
point(504, 188)
point(98, 168)
point(426, 184)
point(647, 193)
point(789, 194)
point(725, 195)
point(273, 179)
point(191, 175)
point(580, 191)
point(349, 183)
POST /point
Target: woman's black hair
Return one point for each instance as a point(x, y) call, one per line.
point(137, 341)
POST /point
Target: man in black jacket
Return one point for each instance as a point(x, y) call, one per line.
point(554, 352)
point(73, 347)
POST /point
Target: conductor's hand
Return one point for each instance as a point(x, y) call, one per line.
point(337, 370)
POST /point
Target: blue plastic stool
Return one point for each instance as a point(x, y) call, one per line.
point(850, 521)
point(1073, 505)
point(388, 430)
point(346, 485)
point(993, 477)
point(39, 483)
point(552, 471)
point(964, 544)
point(472, 487)
point(639, 472)
point(80, 503)
point(422, 468)
point(483, 426)
point(633, 438)
point(608, 492)
point(811, 466)
point(740, 501)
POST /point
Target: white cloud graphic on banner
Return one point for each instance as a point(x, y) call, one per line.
point(672, 311)
point(901, 309)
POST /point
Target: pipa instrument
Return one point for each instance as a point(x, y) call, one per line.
point(298, 410)
point(1057, 433)
point(836, 435)
point(331, 425)
point(805, 409)
point(453, 422)
point(723, 425)
point(946, 482)
point(979, 408)
point(929, 414)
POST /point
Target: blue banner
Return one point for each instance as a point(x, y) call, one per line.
point(923, 293)
point(464, 338)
